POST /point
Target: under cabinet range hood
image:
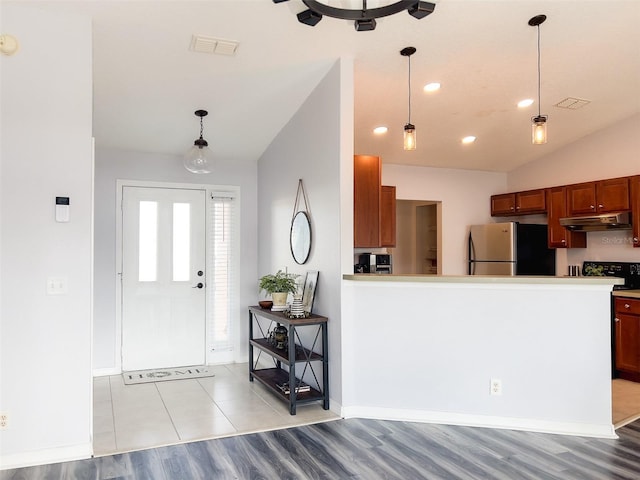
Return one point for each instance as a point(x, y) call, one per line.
point(607, 221)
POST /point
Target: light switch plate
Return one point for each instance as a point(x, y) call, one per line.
point(56, 286)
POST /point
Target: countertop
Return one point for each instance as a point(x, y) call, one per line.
point(486, 279)
point(626, 293)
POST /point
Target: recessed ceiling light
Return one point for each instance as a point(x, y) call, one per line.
point(432, 87)
point(380, 130)
point(527, 102)
point(469, 139)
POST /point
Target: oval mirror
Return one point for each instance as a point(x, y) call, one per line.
point(300, 237)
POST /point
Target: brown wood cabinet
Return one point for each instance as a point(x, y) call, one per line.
point(388, 216)
point(367, 176)
point(519, 203)
point(634, 186)
point(558, 236)
point(374, 205)
point(627, 338)
point(603, 196)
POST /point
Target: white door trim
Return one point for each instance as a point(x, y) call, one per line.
point(118, 284)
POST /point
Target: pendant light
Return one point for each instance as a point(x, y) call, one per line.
point(538, 123)
point(199, 158)
point(409, 128)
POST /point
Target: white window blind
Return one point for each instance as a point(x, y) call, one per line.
point(221, 271)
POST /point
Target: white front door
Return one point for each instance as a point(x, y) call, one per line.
point(163, 277)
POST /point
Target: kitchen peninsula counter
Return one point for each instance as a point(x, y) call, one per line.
point(485, 279)
point(428, 348)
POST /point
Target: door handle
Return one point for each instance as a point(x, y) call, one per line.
point(199, 285)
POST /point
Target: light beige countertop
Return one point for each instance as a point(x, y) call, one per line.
point(626, 293)
point(486, 279)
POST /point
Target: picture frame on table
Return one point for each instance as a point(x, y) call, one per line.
point(309, 291)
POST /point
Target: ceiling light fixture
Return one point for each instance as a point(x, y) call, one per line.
point(527, 102)
point(380, 130)
point(199, 158)
point(432, 87)
point(409, 128)
point(8, 44)
point(538, 123)
point(469, 139)
point(364, 18)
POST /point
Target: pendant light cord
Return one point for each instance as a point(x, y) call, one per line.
point(538, 27)
point(409, 89)
point(201, 128)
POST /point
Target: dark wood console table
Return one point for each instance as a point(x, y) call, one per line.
point(296, 353)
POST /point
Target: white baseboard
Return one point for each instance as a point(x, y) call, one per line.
point(44, 457)
point(509, 423)
point(103, 372)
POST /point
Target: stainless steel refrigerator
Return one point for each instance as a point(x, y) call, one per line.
point(510, 248)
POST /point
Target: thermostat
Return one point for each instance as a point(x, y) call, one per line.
point(62, 209)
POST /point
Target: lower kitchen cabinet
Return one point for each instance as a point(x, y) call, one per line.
point(301, 361)
point(627, 338)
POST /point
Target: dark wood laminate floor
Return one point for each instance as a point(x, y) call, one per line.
point(368, 449)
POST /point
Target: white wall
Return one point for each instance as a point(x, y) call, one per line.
point(465, 201)
point(310, 148)
point(427, 350)
point(112, 165)
point(46, 151)
point(612, 152)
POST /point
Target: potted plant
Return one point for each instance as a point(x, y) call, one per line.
point(278, 286)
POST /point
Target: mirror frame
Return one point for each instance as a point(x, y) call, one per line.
point(298, 223)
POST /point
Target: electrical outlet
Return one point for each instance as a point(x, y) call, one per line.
point(496, 386)
point(4, 420)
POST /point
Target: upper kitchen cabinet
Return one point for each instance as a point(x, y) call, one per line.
point(388, 216)
point(558, 236)
point(603, 196)
point(634, 183)
point(374, 212)
point(519, 203)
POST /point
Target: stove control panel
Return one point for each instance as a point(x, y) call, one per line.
point(629, 271)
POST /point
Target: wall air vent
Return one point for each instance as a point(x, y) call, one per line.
point(572, 103)
point(205, 44)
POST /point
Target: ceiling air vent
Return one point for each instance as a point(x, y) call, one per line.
point(205, 44)
point(572, 103)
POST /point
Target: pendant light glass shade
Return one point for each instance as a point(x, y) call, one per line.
point(539, 130)
point(199, 158)
point(409, 137)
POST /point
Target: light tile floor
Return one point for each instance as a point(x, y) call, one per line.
point(626, 402)
point(135, 417)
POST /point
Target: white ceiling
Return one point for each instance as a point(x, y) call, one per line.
point(147, 83)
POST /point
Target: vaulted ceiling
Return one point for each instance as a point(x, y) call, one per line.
point(148, 83)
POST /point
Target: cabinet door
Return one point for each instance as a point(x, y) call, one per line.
point(635, 209)
point(558, 236)
point(627, 331)
point(581, 199)
point(366, 201)
point(531, 201)
point(612, 195)
point(504, 204)
point(388, 216)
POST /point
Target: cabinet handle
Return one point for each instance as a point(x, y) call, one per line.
point(592, 207)
point(564, 241)
point(600, 206)
point(617, 319)
point(626, 305)
point(635, 239)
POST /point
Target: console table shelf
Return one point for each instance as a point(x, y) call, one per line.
point(295, 353)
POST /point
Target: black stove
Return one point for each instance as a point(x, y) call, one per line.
point(629, 271)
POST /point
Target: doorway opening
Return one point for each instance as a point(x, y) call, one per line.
point(418, 247)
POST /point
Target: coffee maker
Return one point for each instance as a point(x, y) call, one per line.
point(374, 263)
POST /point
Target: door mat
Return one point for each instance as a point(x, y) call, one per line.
point(165, 374)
